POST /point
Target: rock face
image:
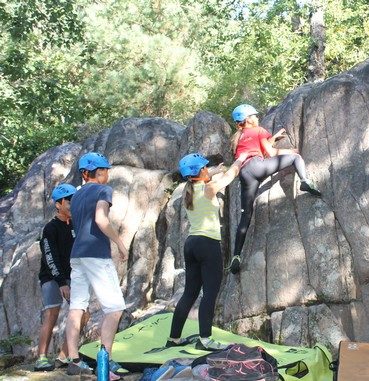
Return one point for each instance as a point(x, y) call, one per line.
point(305, 265)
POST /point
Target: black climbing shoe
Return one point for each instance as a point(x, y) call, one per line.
point(235, 264)
point(309, 186)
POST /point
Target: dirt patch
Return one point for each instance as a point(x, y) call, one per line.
point(24, 372)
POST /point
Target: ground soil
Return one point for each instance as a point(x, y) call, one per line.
point(24, 372)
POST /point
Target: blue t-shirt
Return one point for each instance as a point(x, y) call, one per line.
point(90, 241)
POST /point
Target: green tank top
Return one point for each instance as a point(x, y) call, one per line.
point(204, 218)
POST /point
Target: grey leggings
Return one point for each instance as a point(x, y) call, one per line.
point(251, 175)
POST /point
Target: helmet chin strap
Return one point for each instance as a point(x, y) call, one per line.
point(205, 179)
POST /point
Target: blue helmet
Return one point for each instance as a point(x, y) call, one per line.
point(241, 112)
point(62, 191)
point(191, 164)
point(93, 160)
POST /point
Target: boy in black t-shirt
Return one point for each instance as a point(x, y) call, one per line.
point(56, 245)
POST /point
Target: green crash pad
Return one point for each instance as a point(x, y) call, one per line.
point(142, 345)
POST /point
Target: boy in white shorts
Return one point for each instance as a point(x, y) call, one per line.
point(91, 260)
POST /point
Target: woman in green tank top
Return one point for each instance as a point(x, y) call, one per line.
point(204, 265)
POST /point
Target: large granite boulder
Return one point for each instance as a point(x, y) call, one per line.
point(304, 276)
point(305, 259)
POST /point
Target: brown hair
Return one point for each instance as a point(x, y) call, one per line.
point(188, 195)
point(89, 174)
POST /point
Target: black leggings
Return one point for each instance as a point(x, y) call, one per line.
point(204, 268)
point(251, 175)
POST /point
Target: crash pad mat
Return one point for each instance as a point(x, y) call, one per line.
point(142, 345)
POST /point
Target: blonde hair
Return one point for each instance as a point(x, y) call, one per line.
point(188, 195)
point(234, 140)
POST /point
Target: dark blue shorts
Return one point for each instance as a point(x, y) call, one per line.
point(51, 295)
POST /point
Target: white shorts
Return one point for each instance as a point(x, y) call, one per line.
point(102, 276)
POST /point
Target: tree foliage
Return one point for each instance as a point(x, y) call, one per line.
point(272, 56)
point(38, 91)
point(153, 58)
point(71, 63)
point(347, 34)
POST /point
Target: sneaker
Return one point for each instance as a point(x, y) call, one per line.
point(208, 344)
point(235, 264)
point(79, 368)
point(61, 363)
point(309, 186)
point(113, 376)
point(182, 342)
point(163, 373)
point(43, 365)
point(183, 372)
point(201, 372)
point(115, 368)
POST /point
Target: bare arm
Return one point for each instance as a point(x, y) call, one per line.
point(102, 221)
point(218, 169)
point(271, 151)
point(214, 186)
point(281, 134)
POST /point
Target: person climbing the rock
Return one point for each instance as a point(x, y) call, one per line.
point(263, 160)
point(202, 252)
point(91, 260)
point(56, 245)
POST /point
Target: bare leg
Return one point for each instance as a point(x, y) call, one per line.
point(109, 328)
point(73, 329)
point(85, 318)
point(49, 320)
point(63, 354)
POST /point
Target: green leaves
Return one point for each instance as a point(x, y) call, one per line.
point(39, 101)
point(347, 34)
point(71, 63)
point(271, 55)
point(53, 21)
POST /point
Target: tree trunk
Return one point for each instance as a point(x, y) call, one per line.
point(317, 31)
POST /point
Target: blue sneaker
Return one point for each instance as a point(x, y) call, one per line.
point(163, 373)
